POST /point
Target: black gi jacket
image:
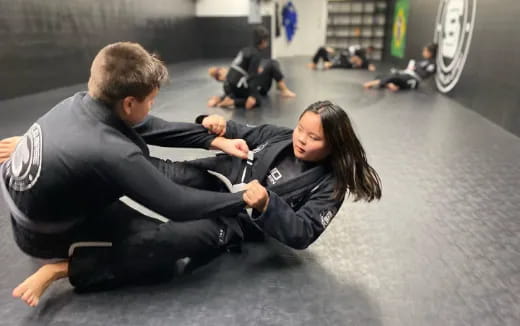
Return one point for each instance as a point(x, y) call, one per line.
point(425, 68)
point(81, 157)
point(299, 209)
point(241, 80)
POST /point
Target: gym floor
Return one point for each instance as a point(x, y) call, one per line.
point(442, 247)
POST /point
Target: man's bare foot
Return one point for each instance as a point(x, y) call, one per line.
point(35, 285)
point(393, 87)
point(312, 65)
point(287, 93)
point(227, 102)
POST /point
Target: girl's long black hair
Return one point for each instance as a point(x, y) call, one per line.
point(354, 176)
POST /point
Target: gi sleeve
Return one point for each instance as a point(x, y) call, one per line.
point(298, 229)
point(156, 131)
point(254, 136)
point(138, 179)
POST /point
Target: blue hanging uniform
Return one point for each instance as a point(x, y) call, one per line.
point(290, 19)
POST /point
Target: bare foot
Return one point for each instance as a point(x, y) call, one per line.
point(327, 65)
point(227, 102)
point(287, 93)
point(35, 285)
point(393, 87)
point(371, 84)
point(312, 65)
point(250, 103)
point(213, 101)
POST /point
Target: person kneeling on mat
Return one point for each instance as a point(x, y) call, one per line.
point(412, 75)
point(241, 83)
point(268, 70)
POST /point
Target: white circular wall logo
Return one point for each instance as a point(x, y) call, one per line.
point(26, 161)
point(455, 22)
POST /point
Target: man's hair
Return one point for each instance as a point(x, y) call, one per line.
point(125, 69)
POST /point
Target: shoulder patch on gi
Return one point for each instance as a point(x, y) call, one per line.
point(325, 217)
point(26, 162)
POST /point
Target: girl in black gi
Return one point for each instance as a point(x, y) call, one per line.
point(412, 75)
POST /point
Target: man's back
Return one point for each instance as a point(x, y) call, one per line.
point(58, 171)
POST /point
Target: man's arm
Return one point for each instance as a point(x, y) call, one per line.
point(136, 177)
point(254, 136)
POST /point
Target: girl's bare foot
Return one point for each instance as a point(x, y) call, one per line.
point(327, 65)
point(312, 65)
point(393, 87)
point(35, 285)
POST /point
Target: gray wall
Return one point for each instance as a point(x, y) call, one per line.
point(490, 81)
point(48, 44)
point(223, 37)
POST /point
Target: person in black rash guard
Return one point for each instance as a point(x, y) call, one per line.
point(268, 71)
point(354, 57)
point(411, 77)
point(295, 181)
point(64, 179)
point(240, 86)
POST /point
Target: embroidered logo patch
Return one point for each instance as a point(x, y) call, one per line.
point(26, 161)
point(274, 176)
point(325, 217)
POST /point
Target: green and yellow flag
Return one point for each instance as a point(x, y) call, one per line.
point(399, 29)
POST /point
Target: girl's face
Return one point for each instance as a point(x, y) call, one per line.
point(426, 54)
point(309, 142)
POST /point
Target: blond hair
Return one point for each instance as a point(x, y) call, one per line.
point(125, 69)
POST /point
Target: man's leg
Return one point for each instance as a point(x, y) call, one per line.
point(144, 251)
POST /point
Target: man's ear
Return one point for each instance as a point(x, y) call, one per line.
point(128, 103)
